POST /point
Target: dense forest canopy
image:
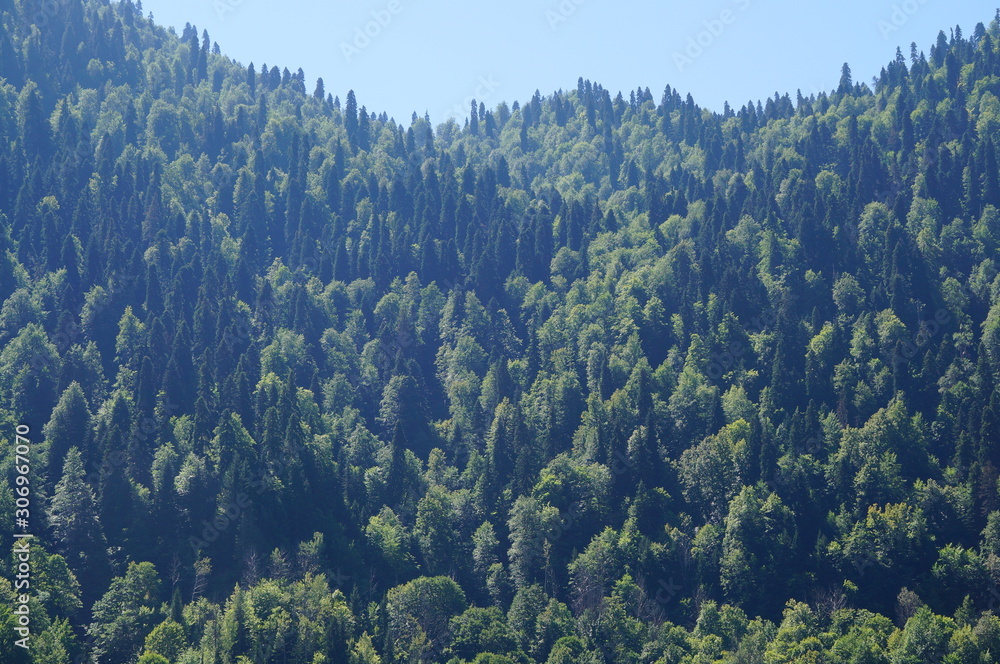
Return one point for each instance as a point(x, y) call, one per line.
point(592, 378)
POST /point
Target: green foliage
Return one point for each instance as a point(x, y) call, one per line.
point(595, 378)
point(167, 639)
point(124, 616)
point(419, 613)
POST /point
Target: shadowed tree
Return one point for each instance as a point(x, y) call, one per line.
point(76, 528)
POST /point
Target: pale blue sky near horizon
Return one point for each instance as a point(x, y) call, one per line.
point(405, 56)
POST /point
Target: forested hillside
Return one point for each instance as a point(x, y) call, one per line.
point(601, 378)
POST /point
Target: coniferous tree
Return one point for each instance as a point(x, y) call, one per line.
point(76, 528)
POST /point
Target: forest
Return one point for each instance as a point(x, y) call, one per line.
point(596, 378)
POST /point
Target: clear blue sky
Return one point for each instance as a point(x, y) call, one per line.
point(432, 55)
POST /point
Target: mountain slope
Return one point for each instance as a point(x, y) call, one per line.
point(592, 378)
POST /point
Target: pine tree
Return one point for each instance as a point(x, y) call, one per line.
point(396, 473)
point(846, 85)
point(68, 427)
point(351, 120)
point(76, 528)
